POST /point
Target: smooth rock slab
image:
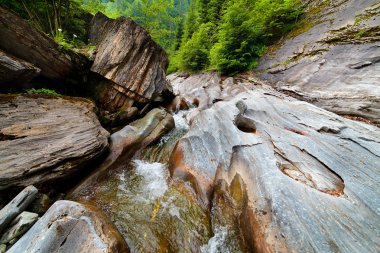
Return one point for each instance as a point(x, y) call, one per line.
point(71, 227)
point(312, 177)
point(44, 138)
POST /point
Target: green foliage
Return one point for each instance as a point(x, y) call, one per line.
point(238, 33)
point(42, 91)
point(195, 53)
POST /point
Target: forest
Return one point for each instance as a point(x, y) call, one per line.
point(224, 35)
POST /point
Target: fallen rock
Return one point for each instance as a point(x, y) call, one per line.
point(311, 176)
point(71, 227)
point(330, 58)
point(43, 138)
point(127, 56)
point(125, 143)
point(19, 226)
point(16, 206)
point(22, 40)
point(15, 71)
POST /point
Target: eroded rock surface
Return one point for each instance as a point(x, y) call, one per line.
point(311, 176)
point(71, 227)
point(332, 59)
point(127, 56)
point(44, 138)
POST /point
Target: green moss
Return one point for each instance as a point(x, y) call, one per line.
point(300, 28)
point(318, 8)
point(42, 91)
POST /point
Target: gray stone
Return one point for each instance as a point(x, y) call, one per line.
point(19, 226)
point(71, 227)
point(332, 64)
point(43, 138)
point(311, 176)
point(17, 205)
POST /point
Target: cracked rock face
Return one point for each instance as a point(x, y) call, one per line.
point(71, 227)
point(311, 176)
point(128, 57)
point(43, 138)
point(334, 63)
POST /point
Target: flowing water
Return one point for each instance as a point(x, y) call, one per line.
point(153, 212)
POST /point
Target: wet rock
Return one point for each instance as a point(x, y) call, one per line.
point(16, 206)
point(127, 56)
point(306, 170)
point(71, 227)
point(19, 226)
point(14, 71)
point(44, 138)
point(22, 40)
point(330, 59)
point(126, 142)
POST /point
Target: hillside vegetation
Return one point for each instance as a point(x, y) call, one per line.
point(226, 35)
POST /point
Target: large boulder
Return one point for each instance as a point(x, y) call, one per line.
point(44, 138)
point(128, 57)
point(71, 227)
point(310, 176)
point(332, 58)
point(22, 40)
point(15, 71)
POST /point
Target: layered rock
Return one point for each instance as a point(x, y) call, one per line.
point(71, 227)
point(44, 138)
point(15, 71)
point(128, 57)
point(310, 175)
point(22, 40)
point(332, 58)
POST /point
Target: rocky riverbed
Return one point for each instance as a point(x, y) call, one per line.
point(192, 163)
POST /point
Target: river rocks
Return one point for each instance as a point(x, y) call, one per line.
point(331, 59)
point(71, 227)
point(22, 40)
point(19, 226)
point(14, 71)
point(126, 142)
point(16, 206)
point(311, 176)
point(44, 138)
point(128, 57)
